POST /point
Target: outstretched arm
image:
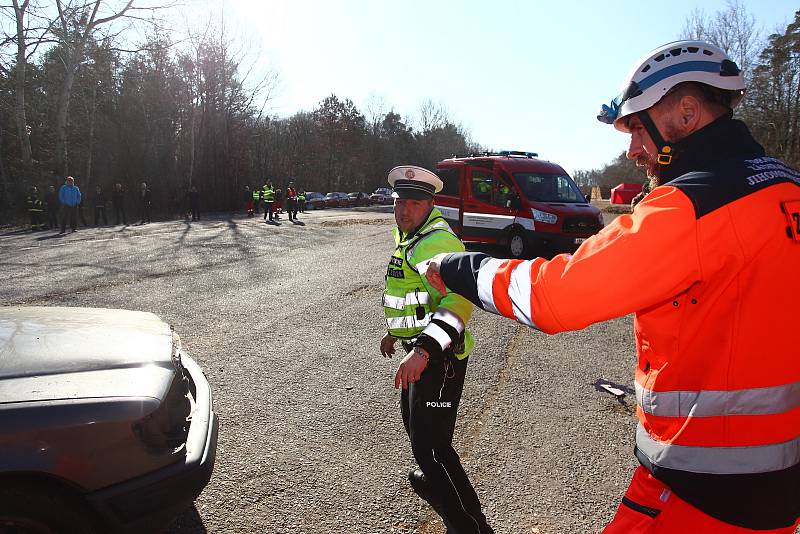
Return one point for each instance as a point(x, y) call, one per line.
point(638, 261)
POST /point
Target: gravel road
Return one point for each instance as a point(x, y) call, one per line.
point(286, 321)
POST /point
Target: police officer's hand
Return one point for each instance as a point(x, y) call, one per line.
point(387, 345)
point(411, 367)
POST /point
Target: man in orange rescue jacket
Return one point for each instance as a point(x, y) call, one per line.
point(710, 265)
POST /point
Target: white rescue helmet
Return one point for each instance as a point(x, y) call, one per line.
point(665, 67)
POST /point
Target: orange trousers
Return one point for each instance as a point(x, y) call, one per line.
point(649, 507)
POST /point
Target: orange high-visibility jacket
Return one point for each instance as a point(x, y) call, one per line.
point(710, 266)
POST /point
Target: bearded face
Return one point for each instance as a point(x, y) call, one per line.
point(649, 160)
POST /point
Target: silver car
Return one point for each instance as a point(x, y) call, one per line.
point(106, 424)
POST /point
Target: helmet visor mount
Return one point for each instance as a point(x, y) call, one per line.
point(609, 113)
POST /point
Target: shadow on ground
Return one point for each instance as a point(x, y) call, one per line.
point(189, 522)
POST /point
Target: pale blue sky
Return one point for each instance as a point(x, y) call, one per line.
point(518, 75)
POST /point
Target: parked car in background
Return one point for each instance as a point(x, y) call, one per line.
point(106, 423)
point(315, 201)
point(382, 195)
point(337, 199)
point(359, 199)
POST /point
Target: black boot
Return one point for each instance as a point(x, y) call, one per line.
point(420, 486)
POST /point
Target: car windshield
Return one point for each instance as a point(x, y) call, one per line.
point(330, 195)
point(548, 187)
point(383, 192)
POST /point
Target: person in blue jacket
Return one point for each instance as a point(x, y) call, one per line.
point(70, 197)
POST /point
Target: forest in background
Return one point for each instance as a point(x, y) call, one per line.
point(79, 97)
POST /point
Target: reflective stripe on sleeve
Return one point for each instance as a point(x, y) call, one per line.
point(719, 460)
point(519, 290)
point(450, 318)
point(411, 299)
point(485, 282)
point(437, 332)
point(408, 321)
point(755, 401)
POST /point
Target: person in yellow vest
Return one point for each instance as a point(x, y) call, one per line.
point(256, 199)
point(268, 196)
point(432, 330)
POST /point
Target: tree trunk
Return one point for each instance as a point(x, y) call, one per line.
point(4, 193)
point(87, 179)
point(19, 89)
point(62, 114)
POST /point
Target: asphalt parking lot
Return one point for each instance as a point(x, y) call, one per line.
point(286, 320)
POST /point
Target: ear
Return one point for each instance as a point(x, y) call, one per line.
point(689, 111)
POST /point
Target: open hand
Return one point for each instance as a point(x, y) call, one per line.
point(411, 368)
point(387, 345)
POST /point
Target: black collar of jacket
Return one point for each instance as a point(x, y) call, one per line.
point(722, 139)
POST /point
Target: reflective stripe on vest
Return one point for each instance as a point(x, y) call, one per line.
point(407, 322)
point(719, 460)
point(755, 401)
point(411, 299)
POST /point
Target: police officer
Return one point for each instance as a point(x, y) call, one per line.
point(707, 263)
point(432, 330)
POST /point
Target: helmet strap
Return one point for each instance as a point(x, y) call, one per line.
point(665, 151)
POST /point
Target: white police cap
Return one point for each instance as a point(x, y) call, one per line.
point(409, 181)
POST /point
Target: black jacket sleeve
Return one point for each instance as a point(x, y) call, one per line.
point(460, 274)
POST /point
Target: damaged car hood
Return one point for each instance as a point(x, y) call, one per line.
point(51, 353)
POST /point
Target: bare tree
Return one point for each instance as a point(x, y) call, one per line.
point(77, 23)
point(376, 109)
point(733, 29)
point(31, 28)
point(432, 115)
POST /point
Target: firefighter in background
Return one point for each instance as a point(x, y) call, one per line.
point(432, 330)
point(248, 201)
point(708, 264)
point(278, 205)
point(35, 209)
point(301, 200)
point(291, 201)
point(268, 194)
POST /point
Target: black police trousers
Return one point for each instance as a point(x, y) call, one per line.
point(429, 407)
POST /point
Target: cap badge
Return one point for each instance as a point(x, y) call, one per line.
point(409, 174)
